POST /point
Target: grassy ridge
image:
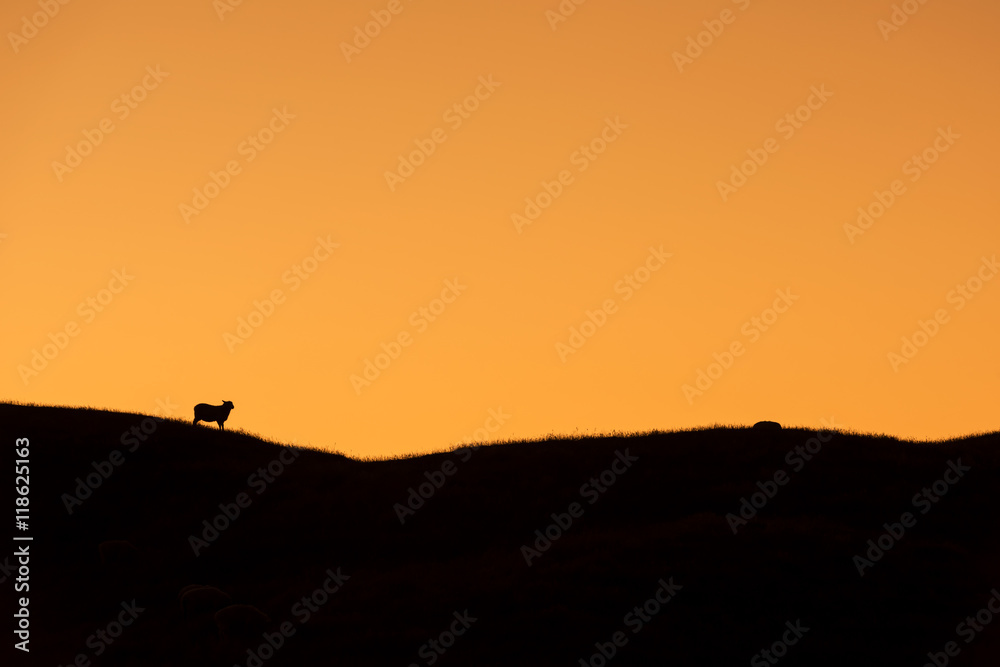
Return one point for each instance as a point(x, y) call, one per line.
point(663, 517)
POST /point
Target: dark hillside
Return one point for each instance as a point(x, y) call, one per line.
point(660, 514)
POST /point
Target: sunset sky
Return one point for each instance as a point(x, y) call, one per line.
point(464, 190)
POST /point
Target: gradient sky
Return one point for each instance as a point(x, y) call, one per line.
point(330, 119)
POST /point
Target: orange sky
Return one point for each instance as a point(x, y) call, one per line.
point(222, 158)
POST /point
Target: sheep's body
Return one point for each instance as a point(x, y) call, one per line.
point(203, 412)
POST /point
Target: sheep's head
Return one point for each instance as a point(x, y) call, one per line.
point(228, 404)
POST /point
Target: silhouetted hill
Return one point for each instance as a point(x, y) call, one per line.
point(663, 520)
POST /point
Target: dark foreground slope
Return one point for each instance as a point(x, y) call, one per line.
point(662, 519)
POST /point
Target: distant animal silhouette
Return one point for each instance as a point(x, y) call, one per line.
point(767, 426)
point(203, 412)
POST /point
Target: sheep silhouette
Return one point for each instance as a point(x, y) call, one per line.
point(203, 412)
